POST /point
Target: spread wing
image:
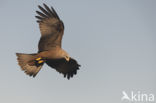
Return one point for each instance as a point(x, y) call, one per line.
point(67, 68)
point(51, 28)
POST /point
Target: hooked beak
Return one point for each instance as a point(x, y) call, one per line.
point(67, 58)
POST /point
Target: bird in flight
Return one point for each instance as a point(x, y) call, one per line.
point(49, 48)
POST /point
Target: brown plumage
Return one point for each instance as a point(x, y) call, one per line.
point(49, 47)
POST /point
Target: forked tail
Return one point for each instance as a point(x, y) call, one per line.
point(29, 63)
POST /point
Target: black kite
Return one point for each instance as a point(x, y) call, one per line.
point(49, 47)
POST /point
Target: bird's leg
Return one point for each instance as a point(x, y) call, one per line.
point(39, 60)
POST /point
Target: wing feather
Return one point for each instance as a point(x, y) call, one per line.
point(67, 68)
point(51, 28)
point(41, 14)
point(44, 11)
point(48, 9)
point(55, 13)
point(38, 17)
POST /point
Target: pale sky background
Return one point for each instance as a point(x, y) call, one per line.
point(113, 40)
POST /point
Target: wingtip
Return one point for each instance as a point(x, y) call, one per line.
point(36, 11)
point(44, 4)
point(38, 6)
point(38, 21)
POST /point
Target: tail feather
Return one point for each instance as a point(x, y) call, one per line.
point(24, 61)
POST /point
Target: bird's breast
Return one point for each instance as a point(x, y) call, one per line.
point(50, 54)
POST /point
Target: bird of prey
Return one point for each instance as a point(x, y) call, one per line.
point(49, 47)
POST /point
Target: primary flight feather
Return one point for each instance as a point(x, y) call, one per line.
point(49, 47)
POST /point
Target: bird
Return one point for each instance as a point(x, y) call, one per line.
point(50, 49)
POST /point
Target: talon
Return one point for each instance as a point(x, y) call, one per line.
point(38, 59)
point(41, 61)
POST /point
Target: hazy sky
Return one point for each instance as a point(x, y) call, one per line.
point(113, 40)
